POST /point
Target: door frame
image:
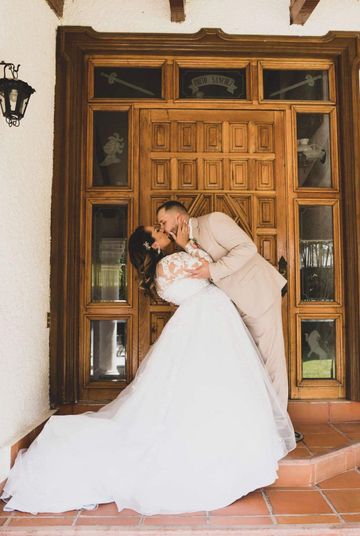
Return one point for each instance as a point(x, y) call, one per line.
point(74, 47)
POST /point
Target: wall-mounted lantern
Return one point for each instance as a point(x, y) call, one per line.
point(14, 95)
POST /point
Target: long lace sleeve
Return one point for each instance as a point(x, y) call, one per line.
point(195, 251)
point(175, 268)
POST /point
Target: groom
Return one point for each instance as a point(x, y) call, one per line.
point(249, 280)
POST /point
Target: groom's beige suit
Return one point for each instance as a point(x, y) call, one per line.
point(252, 283)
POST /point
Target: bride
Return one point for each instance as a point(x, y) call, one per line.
point(199, 426)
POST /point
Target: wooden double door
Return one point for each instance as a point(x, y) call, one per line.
point(149, 117)
point(213, 160)
point(246, 164)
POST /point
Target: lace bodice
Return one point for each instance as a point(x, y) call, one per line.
point(173, 283)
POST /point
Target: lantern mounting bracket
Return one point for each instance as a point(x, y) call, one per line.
point(14, 70)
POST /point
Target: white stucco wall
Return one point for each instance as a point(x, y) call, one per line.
point(232, 16)
point(27, 36)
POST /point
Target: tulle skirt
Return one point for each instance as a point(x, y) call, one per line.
point(199, 427)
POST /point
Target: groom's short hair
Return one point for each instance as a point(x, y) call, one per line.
point(168, 205)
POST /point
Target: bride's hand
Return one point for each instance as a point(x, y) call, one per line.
point(182, 235)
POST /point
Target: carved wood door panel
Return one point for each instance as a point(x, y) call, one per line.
point(213, 160)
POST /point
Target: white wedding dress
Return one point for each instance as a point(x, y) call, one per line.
point(199, 426)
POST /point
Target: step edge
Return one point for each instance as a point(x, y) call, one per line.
point(321, 457)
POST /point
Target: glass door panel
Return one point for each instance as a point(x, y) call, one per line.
point(313, 150)
point(212, 83)
point(296, 84)
point(110, 148)
point(109, 253)
point(108, 350)
point(316, 242)
point(127, 83)
point(318, 348)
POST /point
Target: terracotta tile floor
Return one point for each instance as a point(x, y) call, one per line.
point(335, 501)
point(320, 438)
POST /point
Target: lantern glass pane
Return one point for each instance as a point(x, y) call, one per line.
point(2, 103)
point(13, 97)
point(23, 105)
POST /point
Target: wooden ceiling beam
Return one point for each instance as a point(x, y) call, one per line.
point(57, 6)
point(177, 9)
point(300, 10)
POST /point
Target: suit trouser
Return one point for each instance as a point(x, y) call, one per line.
point(267, 332)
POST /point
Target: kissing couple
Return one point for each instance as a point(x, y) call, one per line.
point(204, 421)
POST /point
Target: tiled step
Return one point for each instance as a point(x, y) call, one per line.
point(333, 530)
point(119, 531)
point(316, 411)
point(331, 442)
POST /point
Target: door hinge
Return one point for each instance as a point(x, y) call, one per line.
point(48, 320)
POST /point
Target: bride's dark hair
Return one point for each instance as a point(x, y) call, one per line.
point(144, 258)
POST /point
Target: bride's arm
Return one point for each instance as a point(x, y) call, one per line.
point(172, 267)
point(175, 266)
point(195, 251)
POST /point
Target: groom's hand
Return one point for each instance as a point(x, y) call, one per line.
point(200, 272)
point(182, 234)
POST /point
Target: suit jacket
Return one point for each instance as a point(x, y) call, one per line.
point(249, 280)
